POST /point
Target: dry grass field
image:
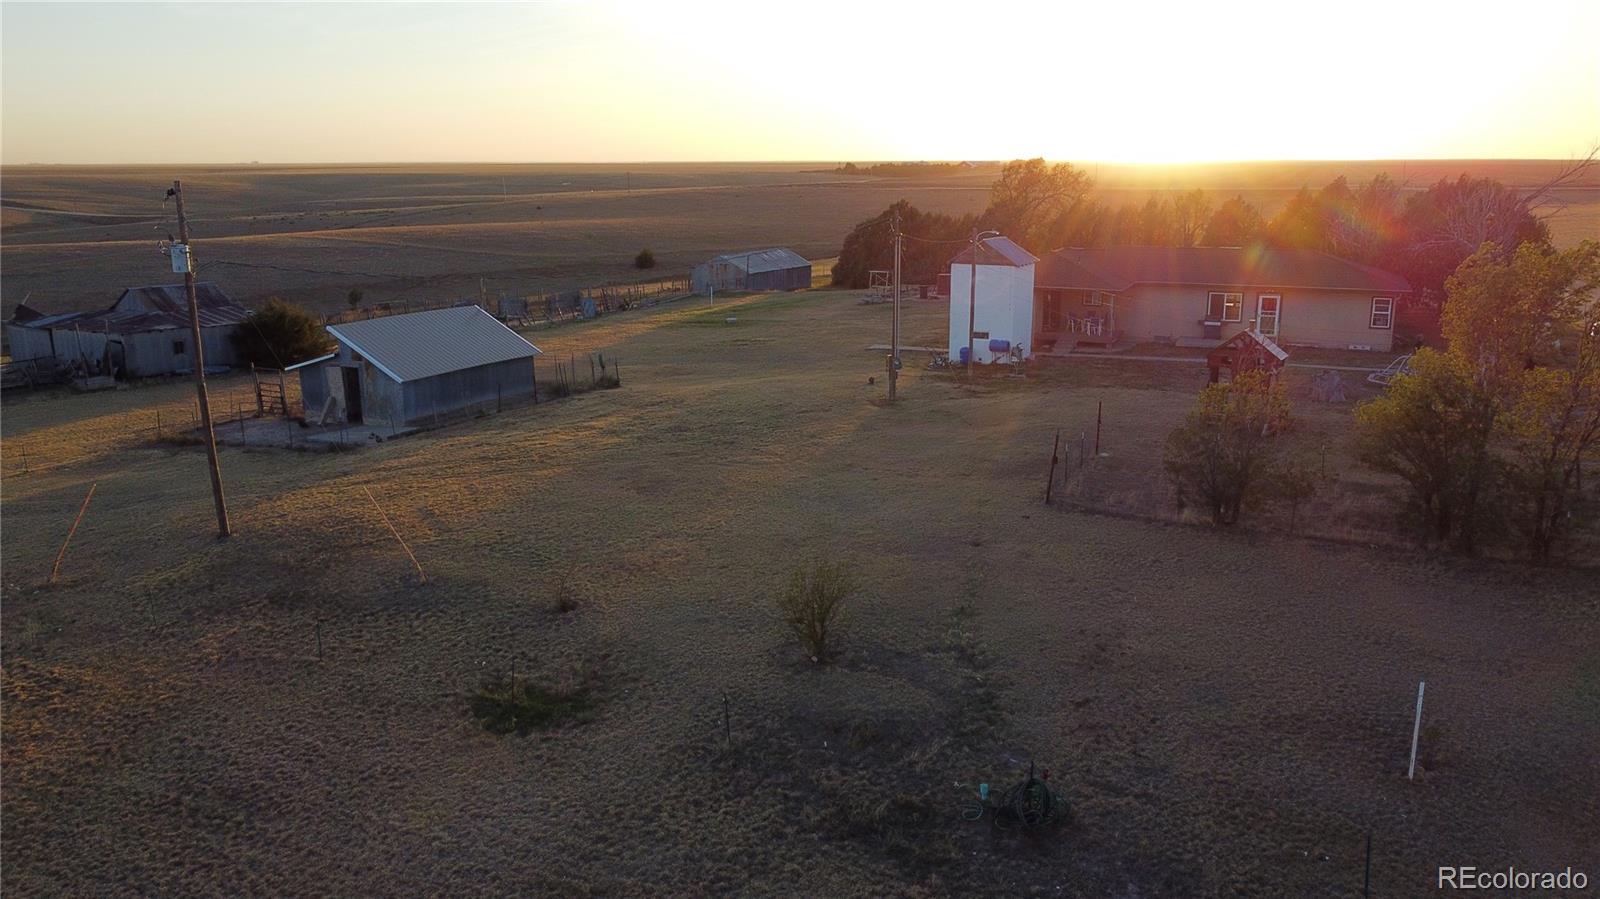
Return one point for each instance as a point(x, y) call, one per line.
point(74, 237)
point(1227, 713)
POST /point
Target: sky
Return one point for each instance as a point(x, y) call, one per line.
point(1116, 81)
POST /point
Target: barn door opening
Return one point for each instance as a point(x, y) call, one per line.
point(352, 394)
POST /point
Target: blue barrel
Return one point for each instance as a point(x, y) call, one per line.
point(996, 345)
point(964, 355)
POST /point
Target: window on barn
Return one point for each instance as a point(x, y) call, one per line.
point(1224, 307)
point(1093, 298)
point(1382, 313)
point(1052, 310)
point(177, 348)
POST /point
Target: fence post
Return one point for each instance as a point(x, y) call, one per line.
point(1416, 729)
point(1050, 482)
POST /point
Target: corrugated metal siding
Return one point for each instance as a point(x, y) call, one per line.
point(27, 344)
point(313, 390)
point(457, 390)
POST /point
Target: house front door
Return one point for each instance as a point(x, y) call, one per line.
point(1267, 308)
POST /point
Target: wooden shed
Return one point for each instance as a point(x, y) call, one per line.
point(1246, 351)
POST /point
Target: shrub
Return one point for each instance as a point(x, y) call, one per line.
point(1294, 483)
point(1432, 429)
point(645, 259)
point(506, 705)
point(811, 604)
point(354, 297)
point(608, 381)
point(279, 334)
point(1225, 450)
point(564, 597)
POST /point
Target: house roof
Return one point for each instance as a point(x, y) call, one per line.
point(768, 260)
point(141, 309)
point(421, 345)
point(996, 251)
point(1250, 335)
point(1118, 268)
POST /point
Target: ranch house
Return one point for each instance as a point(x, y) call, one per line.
point(406, 369)
point(1198, 296)
point(1190, 296)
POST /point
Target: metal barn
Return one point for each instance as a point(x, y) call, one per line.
point(145, 333)
point(777, 268)
point(406, 369)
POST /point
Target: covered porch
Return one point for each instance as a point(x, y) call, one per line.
point(1065, 319)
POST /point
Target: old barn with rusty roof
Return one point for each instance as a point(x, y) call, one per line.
point(145, 333)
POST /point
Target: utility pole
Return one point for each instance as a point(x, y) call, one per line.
point(972, 307)
point(223, 529)
point(894, 331)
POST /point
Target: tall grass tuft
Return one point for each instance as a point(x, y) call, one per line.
point(505, 705)
point(812, 602)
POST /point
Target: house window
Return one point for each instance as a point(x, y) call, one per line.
point(1224, 307)
point(1382, 313)
point(1093, 298)
point(1052, 310)
point(177, 348)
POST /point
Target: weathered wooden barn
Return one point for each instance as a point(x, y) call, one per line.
point(145, 333)
point(408, 369)
point(776, 268)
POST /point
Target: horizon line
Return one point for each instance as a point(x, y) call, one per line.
point(487, 162)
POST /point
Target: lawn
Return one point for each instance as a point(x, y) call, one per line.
point(1228, 714)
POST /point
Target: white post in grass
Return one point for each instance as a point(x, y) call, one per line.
point(1416, 729)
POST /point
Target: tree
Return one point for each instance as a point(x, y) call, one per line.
point(645, 259)
point(1553, 429)
point(1155, 222)
point(1432, 429)
point(1299, 224)
point(870, 245)
point(1190, 212)
point(1524, 329)
point(1506, 314)
point(1235, 223)
point(1451, 220)
point(280, 334)
point(1224, 453)
point(354, 297)
point(1030, 196)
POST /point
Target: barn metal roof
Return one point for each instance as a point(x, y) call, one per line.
point(1118, 268)
point(769, 260)
point(140, 309)
point(421, 345)
point(996, 251)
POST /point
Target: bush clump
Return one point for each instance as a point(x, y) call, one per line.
point(505, 705)
point(1225, 452)
point(279, 334)
point(812, 602)
point(645, 259)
